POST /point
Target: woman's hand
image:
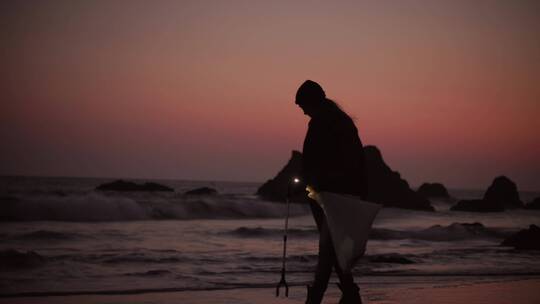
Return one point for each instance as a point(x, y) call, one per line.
point(311, 191)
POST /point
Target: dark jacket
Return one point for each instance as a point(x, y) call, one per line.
point(333, 155)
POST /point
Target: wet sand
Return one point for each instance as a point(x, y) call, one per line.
point(519, 291)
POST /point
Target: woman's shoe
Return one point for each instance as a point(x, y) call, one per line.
point(350, 294)
point(314, 296)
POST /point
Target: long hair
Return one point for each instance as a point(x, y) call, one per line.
point(331, 104)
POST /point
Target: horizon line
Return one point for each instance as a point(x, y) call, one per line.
point(214, 180)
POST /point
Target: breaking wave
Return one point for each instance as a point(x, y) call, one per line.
point(143, 259)
point(150, 273)
point(249, 232)
point(13, 259)
point(436, 233)
point(439, 233)
point(95, 206)
point(47, 235)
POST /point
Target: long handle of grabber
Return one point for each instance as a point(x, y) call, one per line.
point(285, 235)
point(283, 282)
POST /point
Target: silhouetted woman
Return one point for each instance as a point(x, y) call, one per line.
point(333, 161)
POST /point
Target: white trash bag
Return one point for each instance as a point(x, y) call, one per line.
point(349, 219)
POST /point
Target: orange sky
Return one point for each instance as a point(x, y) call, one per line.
point(448, 90)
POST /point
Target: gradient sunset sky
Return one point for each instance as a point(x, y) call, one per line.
point(448, 90)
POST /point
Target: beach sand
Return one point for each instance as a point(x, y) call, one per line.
point(519, 291)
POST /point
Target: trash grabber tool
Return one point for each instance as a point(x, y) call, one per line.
point(283, 282)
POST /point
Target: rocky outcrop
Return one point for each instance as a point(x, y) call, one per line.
point(527, 239)
point(384, 185)
point(433, 190)
point(502, 194)
point(125, 186)
point(202, 191)
point(534, 205)
point(275, 189)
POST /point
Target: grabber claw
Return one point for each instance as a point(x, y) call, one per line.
point(281, 283)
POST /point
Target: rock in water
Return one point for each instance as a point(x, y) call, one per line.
point(527, 239)
point(502, 194)
point(121, 185)
point(503, 191)
point(202, 191)
point(275, 189)
point(384, 185)
point(387, 187)
point(534, 205)
point(432, 190)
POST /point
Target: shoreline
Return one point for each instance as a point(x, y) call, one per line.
point(380, 281)
point(492, 290)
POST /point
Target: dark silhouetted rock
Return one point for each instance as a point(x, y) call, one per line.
point(387, 187)
point(384, 185)
point(477, 205)
point(275, 189)
point(121, 185)
point(202, 191)
point(535, 204)
point(501, 194)
point(432, 190)
point(527, 239)
point(503, 191)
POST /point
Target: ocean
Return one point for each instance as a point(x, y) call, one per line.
point(60, 236)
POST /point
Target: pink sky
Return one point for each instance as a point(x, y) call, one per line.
point(448, 90)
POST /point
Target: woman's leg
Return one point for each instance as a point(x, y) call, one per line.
point(318, 213)
point(326, 250)
point(326, 260)
point(350, 291)
point(346, 279)
point(326, 255)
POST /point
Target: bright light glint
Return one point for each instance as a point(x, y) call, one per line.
point(296, 180)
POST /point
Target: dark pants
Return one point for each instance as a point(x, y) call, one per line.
point(327, 256)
